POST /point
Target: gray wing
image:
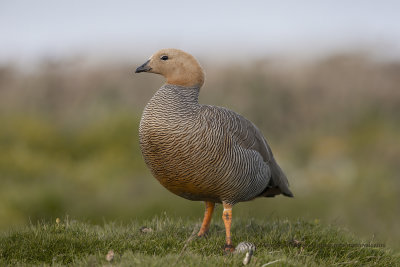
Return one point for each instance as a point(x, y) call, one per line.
point(250, 137)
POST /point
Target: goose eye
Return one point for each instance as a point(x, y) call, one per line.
point(164, 57)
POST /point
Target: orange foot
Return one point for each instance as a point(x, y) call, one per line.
point(202, 234)
point(229, 248)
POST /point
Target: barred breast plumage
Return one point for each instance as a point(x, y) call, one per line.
point(203, 152)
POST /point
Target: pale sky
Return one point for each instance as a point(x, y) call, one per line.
point(30, 30)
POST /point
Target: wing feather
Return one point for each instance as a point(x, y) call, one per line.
point(250, 137)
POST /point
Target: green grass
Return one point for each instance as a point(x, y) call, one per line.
point(290, 243)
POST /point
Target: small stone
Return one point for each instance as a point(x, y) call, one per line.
point(145, 230)
point(110, 255)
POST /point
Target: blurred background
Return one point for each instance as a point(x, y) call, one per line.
point(321, 79)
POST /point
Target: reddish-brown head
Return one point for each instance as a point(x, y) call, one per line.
point(177, 66)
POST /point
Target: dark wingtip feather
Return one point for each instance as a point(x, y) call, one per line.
point(289, 194)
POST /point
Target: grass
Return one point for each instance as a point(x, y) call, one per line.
point(287, 243)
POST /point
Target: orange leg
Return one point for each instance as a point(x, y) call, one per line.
point(207, 218)
point(227, 217)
